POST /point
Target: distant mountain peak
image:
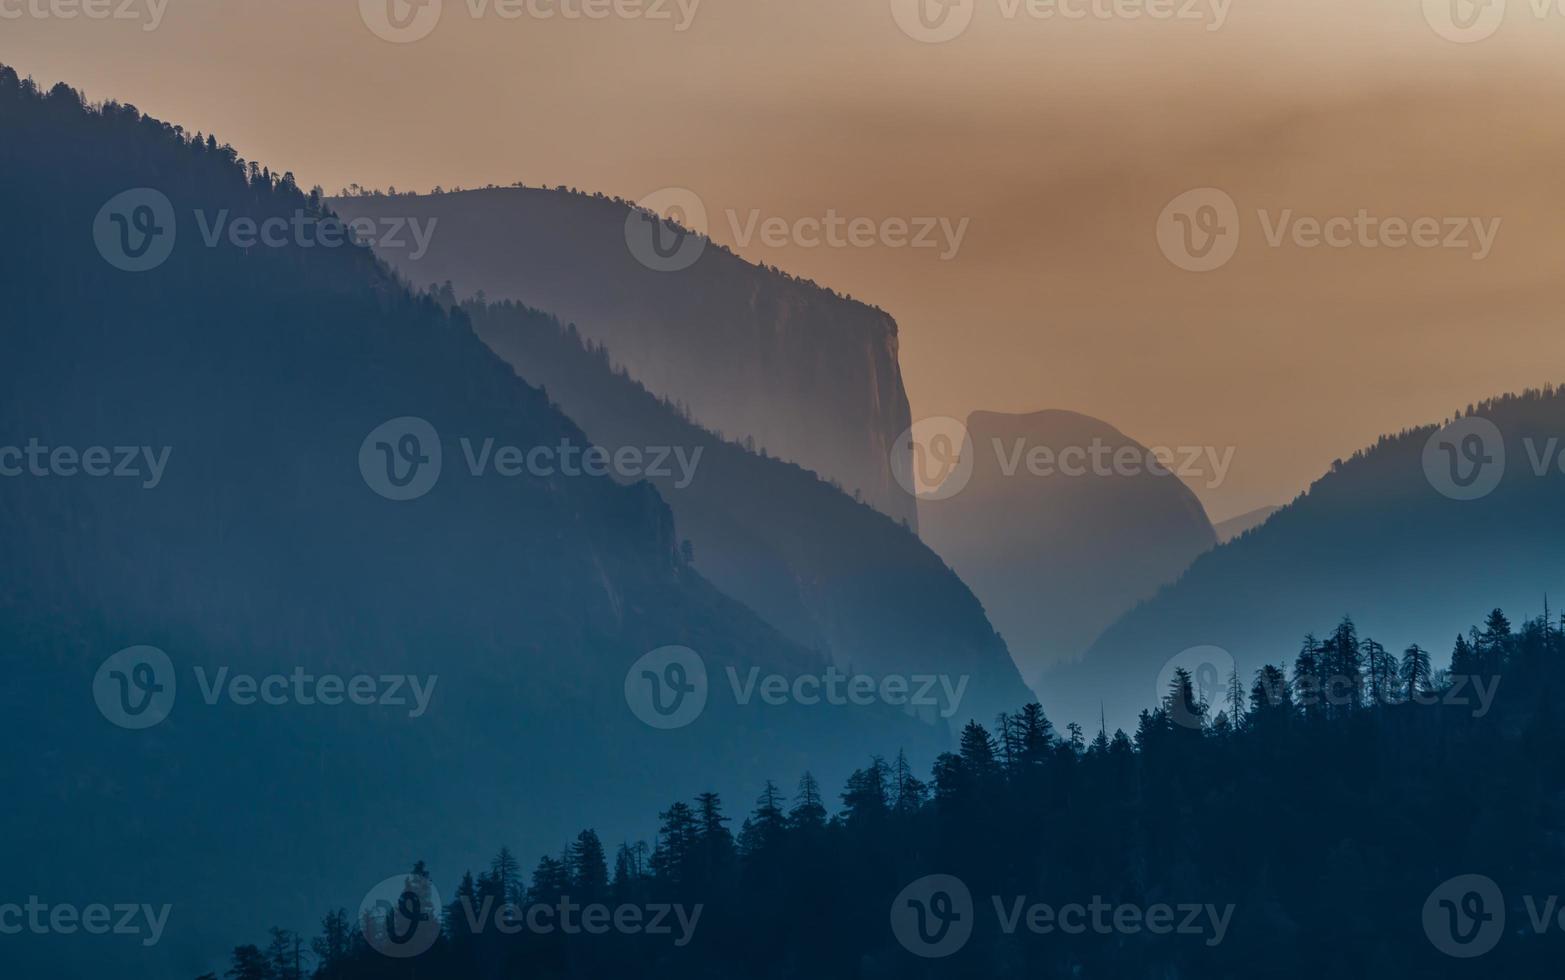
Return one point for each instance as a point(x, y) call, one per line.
point(1064, 523)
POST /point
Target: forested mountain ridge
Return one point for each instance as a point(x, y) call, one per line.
point(829, 571)
point(255, 368)
point(752, 352)
point(1292, 831)
point(1374, 537)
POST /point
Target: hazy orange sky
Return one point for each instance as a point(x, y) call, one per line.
point(1057, 140)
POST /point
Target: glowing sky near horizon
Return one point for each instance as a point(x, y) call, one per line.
point(1053, 142)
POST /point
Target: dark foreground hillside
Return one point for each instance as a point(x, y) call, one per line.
point(1352, 814)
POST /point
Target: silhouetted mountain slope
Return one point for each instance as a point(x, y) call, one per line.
point(260, 548)
point(811, 376)
point(830, 572)
point(1056, 557)
point(1373, 539)
point(1294, 844)
point(1237, 525)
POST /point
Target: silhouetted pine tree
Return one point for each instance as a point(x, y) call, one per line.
point(1380, 672)
point(1493, 642)
point(551, 880)
point(715, 852)
point(589, 871)
point(248, 963)
point(335, 943)
point(909, 793)
point(1235, 698)
point(1309, 678)
point(808, 812)
point(866, 800)
point(1343, 659)
point(1464, 659)
point(1416, 679)
point(674, 855)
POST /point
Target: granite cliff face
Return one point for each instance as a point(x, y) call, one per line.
point(752, 353)
point(829, 572)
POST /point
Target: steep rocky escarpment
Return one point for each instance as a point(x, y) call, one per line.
point(830, 572)
point(751, 352)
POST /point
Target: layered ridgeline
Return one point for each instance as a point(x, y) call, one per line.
point(250, 532)
point(753, 353)
point(1057, 538)
point(1240, 523)
point(1381, 538)
point(830, 572)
